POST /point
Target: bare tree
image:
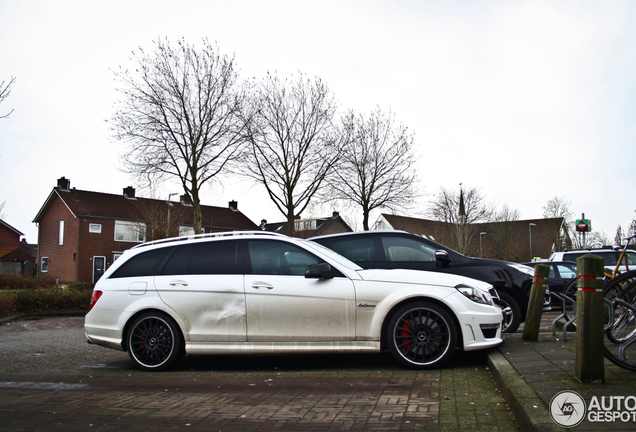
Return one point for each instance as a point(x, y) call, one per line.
point(505, 234)
point(162, 218)
point(2, 214)
point(556, 208)
point(461, 211)
point(376, 167)
point(180, 112)
point(292, 144)
point(5, 91)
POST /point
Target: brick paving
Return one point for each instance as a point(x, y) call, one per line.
point(227, 393)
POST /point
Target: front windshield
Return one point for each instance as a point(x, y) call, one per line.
point(339, 259)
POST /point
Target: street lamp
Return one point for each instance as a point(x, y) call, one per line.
point(481, 252)
point(530, 225)
point(170, 205)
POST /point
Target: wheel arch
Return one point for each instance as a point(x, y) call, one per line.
point(384, 345)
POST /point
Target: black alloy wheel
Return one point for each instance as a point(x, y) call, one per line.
point(155, 342)
point(511, 313)
point(422, 335)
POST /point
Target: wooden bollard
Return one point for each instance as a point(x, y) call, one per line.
point(535, 305)
point(589, 320)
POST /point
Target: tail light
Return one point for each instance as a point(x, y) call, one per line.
point(96, 295)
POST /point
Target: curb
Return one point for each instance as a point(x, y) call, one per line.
point(529, 409)
point(18, 317)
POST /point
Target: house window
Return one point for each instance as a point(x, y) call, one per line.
point(61, 234)
point(95, 228)
point(130, 231)
point(185, 230)
point(44, 267)
point(305, 225)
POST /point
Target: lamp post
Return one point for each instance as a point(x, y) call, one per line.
point(481, 252)
point(170, 205)
point(530, 225)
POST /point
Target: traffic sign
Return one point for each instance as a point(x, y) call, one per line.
point(583, 225)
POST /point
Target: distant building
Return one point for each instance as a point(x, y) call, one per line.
point(305, 228)
point(81, 233)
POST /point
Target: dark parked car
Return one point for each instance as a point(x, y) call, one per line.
point(562, 274)
point(390, 249)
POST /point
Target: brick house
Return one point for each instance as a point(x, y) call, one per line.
point(14, 251)
point(305, 228)
point(81, 233)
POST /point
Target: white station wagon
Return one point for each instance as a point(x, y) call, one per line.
point(266, 293)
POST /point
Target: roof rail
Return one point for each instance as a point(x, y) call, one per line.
point(208, 235)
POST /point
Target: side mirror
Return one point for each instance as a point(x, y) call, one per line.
point(318, 271)
point(442, 257)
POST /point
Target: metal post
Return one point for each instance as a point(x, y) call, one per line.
point(481, 252)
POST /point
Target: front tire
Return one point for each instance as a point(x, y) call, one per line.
point(511, 313)
point(422, 335)
point(155, 342)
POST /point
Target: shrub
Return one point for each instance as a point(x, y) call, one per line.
point(52, 300)
point(7, 306)
point(17, 282)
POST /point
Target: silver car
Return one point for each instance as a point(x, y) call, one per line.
point(265, 293)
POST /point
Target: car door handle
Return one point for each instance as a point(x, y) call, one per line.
point(257, 285)
point(178, 282)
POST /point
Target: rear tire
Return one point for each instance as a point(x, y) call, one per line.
point(422, 335)
point(154, 342)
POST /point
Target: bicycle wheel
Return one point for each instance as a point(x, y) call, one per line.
point(620, 334)
point(615, 288)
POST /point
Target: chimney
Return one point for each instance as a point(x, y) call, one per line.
point(185, 200)
point(233, 205)
point(335, 214)
point(263, 223)
point(129, 192)
point(63, 184)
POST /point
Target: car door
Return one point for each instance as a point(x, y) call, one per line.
point(202, 283)
point(283, 305)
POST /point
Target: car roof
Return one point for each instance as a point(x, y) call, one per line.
point(358, 233)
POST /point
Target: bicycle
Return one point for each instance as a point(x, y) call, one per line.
point(620, 330)
point(610, 275)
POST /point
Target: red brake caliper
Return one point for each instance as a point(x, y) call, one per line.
point(405, 334)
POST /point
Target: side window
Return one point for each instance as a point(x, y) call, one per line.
point(218, 257)
point(406, 249)
point(356, 250)
point(144, 264)
point(279, 258)
point(566, 271)
point(631, 258)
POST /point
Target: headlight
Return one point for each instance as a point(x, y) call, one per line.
point(475, 294)
point(523, 269)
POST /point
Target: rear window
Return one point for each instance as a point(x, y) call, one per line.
point(218, 257)
point(144, 264)
point(356, 250)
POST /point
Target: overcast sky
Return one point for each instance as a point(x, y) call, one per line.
point(524, 100)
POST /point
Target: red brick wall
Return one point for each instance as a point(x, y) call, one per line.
point(62, 258)
point(8, 238)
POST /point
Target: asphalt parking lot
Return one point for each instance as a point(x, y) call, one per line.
point(50, 379)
